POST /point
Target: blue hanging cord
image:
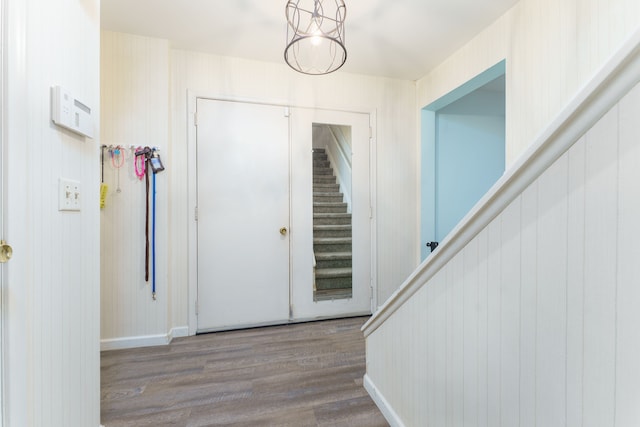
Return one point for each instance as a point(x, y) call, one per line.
point(153, 241)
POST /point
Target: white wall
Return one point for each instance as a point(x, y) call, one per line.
point(52, 287)
point(552, 48)
point(135, 111)
point(129, 72)
point(535, 321)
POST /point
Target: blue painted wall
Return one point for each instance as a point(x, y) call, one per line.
point(463, 155)
point(470, 156)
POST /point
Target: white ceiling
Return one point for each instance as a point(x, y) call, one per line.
point(395, 38)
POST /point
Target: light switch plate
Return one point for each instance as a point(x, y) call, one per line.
point(68, 195)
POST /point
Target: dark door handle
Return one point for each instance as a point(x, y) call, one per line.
point(432, 245)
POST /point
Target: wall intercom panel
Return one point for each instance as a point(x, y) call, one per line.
point(70, 113)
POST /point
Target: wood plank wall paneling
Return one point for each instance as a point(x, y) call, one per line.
point(135, 111)
point(551, 49)
point(627, 410)
point(52, 287)
point(535, 321)
point(575, 279)
point(600, 281)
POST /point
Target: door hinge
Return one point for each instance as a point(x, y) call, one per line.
point(370, 212)
point(195, 213)
point(197, 307)
point(370, 132)
point(287, 112)
point(195, 119)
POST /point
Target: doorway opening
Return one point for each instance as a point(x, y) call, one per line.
point(332, 237)
point(463, 153)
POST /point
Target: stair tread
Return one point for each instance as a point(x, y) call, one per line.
point(331, 214)
point(333, 272)
point(332, 227)
point(333, 255)
point(321, 240)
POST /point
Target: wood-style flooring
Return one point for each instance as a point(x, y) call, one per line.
point(307, 374)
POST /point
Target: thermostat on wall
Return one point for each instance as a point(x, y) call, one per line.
point(68, 112)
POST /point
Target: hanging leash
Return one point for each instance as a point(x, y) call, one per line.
point(152, 163)
point(156, 166)
point(146, 222)
point(153, 242)
point(140, 160)
point(144, 153)
point(117, 161)
point(103, 187)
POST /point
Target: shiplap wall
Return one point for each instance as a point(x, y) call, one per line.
point(135, 111)
point(552, 48)
point(535, 321)
point(52, 288)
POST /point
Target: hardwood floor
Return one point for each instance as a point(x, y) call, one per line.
point(298, 375)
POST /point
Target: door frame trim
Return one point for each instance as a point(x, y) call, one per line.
point(3, 194)
point(192, 230)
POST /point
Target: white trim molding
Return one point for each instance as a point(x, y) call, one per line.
point(143, 340)
point(389, 414)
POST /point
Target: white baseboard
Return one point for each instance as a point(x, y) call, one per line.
point(143, 340)
point(392, 418)
point(182, 331)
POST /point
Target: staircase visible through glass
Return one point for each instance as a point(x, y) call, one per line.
point(332, 238)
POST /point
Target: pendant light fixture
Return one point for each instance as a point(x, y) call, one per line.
point(315, 36)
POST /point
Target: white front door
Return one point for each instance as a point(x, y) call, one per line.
point(243, 214)
point(304, 306)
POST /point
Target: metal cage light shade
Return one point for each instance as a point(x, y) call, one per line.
point(315, 36)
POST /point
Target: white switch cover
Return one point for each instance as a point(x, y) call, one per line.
point(68, 195)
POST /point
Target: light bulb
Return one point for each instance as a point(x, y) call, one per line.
point(316, 37)
point(316, 40)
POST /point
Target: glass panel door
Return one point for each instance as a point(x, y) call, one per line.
point(330, 221)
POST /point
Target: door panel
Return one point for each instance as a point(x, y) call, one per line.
point(304, 306)
point(243, 202)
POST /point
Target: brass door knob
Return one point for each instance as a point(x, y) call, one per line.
point(283, 230)
point(6, 252)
